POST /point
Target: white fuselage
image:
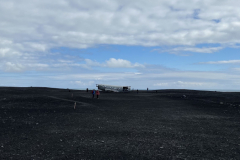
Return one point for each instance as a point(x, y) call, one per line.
point(111, 88)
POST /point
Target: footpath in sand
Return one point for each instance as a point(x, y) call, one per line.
point(41, 123)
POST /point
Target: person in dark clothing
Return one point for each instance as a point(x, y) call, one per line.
point(87, 89)
point(137, 91)
point(93, 93)
point(97, 93)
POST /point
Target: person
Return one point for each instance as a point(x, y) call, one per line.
point(87, 89)
point(137, 91)
point(98, 93)
point(93, 93)
point(147, 89)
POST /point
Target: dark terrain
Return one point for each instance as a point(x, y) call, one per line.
point(168, 124)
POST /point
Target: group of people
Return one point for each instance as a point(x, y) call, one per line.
point(98, 93)
point(95, 92)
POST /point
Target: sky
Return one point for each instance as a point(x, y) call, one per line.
point(167, 44)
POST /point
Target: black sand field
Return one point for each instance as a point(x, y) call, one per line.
point(41, 123)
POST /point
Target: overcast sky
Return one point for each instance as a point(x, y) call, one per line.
point(155, 44)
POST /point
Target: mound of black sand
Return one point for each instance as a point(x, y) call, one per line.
point(41, 123)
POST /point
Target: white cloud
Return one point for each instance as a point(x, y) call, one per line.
point(121, 63)
point(8, 53)
point(65, 65)
point(39, 65)
point(20, 67)
point(3, 51)
point(65, 61)
point(40, 25)
point(236, 69)
point(81, 83)
point(164, 80)
point(222, 62)
point(11, 67)
point(190, 49)
point(180, 84)
point(90, 63)
point(138, 73)
point(161, 84)
point(113, 63)
point(30, 29)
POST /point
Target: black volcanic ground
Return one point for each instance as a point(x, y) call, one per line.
point(41, 123)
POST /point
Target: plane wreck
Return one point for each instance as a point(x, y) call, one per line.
point(112, 88)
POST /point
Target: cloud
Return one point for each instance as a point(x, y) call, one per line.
point(11, 67)
point(90, 62)
point(64, 61)
point(30, 30)
point(121, 63)
point(180, 84)
point(8, 50)
point(19, 67)
point(222, 62)
point(65, 65)
point(163, 79)
point(236, 69)
point(178, 50)
point(80, 83)
point(114, 63)
point(41, 25)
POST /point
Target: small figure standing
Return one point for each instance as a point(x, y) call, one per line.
point(137, 91)
point(93, 93)
point(87, 89)
point(75, 105)
point(147, 89)
point(98, 93)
